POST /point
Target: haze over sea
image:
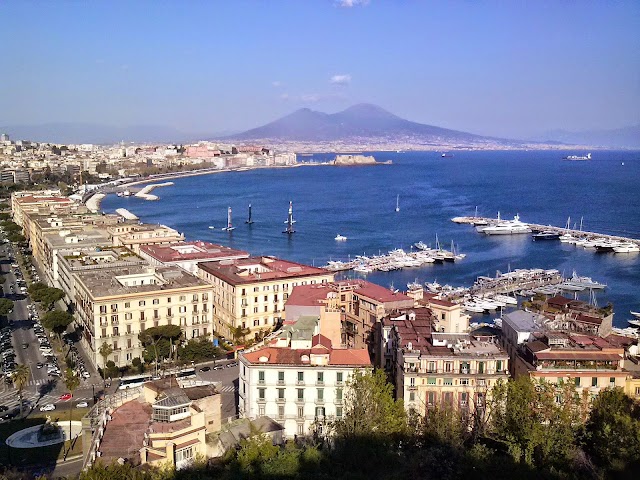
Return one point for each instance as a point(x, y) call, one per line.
point(359, 203)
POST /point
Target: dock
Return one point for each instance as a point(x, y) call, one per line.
point(535, 227)
point(145, 192)
point(123, 212)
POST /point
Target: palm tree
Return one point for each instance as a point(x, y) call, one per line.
point(20, 379)
point(105, 350)
point(72, 382)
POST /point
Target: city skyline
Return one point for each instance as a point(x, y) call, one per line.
point(514, 71)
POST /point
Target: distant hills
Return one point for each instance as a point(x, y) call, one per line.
point(362, 121)
point(626, 137)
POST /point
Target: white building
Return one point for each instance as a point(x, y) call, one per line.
point(301, 386)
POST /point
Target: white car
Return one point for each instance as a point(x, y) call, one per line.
point(82, 405)
point(48, 407)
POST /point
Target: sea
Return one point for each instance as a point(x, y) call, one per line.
point(359, 202)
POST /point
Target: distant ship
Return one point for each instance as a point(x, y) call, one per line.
point(577, 157)
point(447, 155)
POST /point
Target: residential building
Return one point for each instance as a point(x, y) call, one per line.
point(114, 306)
point(250, 293)
point(133, 235)
point(432, 368)
point(187, 255)
point(301, 386)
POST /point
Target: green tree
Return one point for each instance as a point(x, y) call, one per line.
point(238, 333)
point(197, 350)
point(158, 341)
point(57, 321)
point(72, 382)
point(20, 379)
point(105, 350)
point(612, 431)
point(6, 306)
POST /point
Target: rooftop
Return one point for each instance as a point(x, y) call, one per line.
point(136, 279)
point(198, 250)
point(317, 294)
point(522, 321)
point(256, 269)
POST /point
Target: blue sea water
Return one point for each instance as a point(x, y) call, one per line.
point(359, 203)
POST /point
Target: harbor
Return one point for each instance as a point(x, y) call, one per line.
point(599, 242)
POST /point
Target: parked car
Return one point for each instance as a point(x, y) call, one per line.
point(82, 405)
point(48, 407)
point(65, 396)
point(205, 369)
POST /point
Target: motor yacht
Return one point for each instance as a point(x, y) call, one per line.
point(509, 227)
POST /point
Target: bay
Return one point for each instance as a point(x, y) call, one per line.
point(359, 203)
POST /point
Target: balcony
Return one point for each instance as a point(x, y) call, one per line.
point(261, 381)
point(412, 387)
point(262, 400)
point(281, 400)
point(300, 400)
point(300, 382)
point(280, 382)
point(338, 401)
point(320, 401)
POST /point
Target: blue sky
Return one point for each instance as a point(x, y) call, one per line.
point(508, 68)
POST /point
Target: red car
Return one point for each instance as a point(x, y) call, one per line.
point(65, 396)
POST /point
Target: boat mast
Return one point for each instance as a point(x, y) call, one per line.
point(398, 203)
point(250, 220)
point(229, 224)
point(290, 221)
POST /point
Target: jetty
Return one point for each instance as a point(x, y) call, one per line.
point(535, 228)
point(145, 192)
point(126, 214)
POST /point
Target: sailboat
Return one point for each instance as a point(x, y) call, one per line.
point(290, 221)
point(398, 203)
point(229, 227)
point(249, 221)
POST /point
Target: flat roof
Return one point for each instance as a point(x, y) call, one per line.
point(257, 269)
point(522, 321)
point(198, 250)
point(353, 357)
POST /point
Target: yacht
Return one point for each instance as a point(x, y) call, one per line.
point(340, 238)
point(546, 235)
point(635, 314)
point(586, 282)
point(510, 227)
point(628, 247)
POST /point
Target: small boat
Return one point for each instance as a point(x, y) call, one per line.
point(473, 307)
point(229, 227)
point(545, 235)
point(212, 227)
point(398, 203)
point(635, 323)
point(635, 314)
point(340, 238)
point(578, 157)
point(626, 247)
point(447, 155)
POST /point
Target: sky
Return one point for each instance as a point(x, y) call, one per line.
point(505, 68)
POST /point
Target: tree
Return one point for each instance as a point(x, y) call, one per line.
point(161, 339)
point(105, 350)
point(20, 379)
point(612, 431)
point(197, 350)
point(72, 382)
point(6, 306)
point(57, 321)
point(238, 333)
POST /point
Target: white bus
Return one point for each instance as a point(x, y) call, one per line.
point(186, 373)
point(133, 381)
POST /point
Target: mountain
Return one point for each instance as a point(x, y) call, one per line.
point(626, 137)
point(70, 133)
point(359, 121)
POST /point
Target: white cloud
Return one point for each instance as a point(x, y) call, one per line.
point(276, 84)
point(351, 3)
point(344, 79)
point(284, 96)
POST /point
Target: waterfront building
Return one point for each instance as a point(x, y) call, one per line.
point(301, 385)
point(250, 293)
point(24, 203)
point(133, 236)
point(187, 255)
point(552, 355)
point(115, 305)
point(448, 316)
point(431, 368)
point(348, 308)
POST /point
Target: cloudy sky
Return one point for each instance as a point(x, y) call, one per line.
point(490, 67)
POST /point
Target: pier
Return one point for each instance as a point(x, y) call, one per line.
point(578, 234)
point(145, 192)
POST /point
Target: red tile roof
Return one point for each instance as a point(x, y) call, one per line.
point(288, 356)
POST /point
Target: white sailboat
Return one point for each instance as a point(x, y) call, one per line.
point(229, 227)
point(290, 221)
point(340, 238)
point(398, 203)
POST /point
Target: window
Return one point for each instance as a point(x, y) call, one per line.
point(320, 394)
point(320, 412)
point(498, 365)
point(612, 382)
point(128, 316)
point(464, 398)
point(184, 454)
point(280, 377)
point(300, 412)
point(182, 298)
point(431, 367)
point(448, 381)
point(128, 328)
point(431, 380)
point(261, 393)
point(261, 376)
point(256, 322)
point(431, 398)
point(412, 381)
point(412, 396)
point(339, 378)
point(577, 380)
point(103, 309)
point(339, 412)
point(281, 394)
point(464, 381)
point(127, 305)
point(320, 378)
point(156, 301)
point(300, 377)
point(114, 307)
point(594, 381)
point(301, 429)
point(141, 303)
point(261, 410)
point(195, 297)
point(464, 367)
point(281, 411)
point(481, 367)
point(115, 331)
point(300, 393)
point(448, 367)
point(339, 394)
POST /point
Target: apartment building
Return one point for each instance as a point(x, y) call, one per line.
point(301, 385)
point(433, 368)
point(251, 292)
point(187, 255)
point(133, 236)
point(356, 304)
point(39, 204)
point(115, 305)
point(556, 356)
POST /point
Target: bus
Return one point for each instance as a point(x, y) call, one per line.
point(133, 381)
point(186, 373)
